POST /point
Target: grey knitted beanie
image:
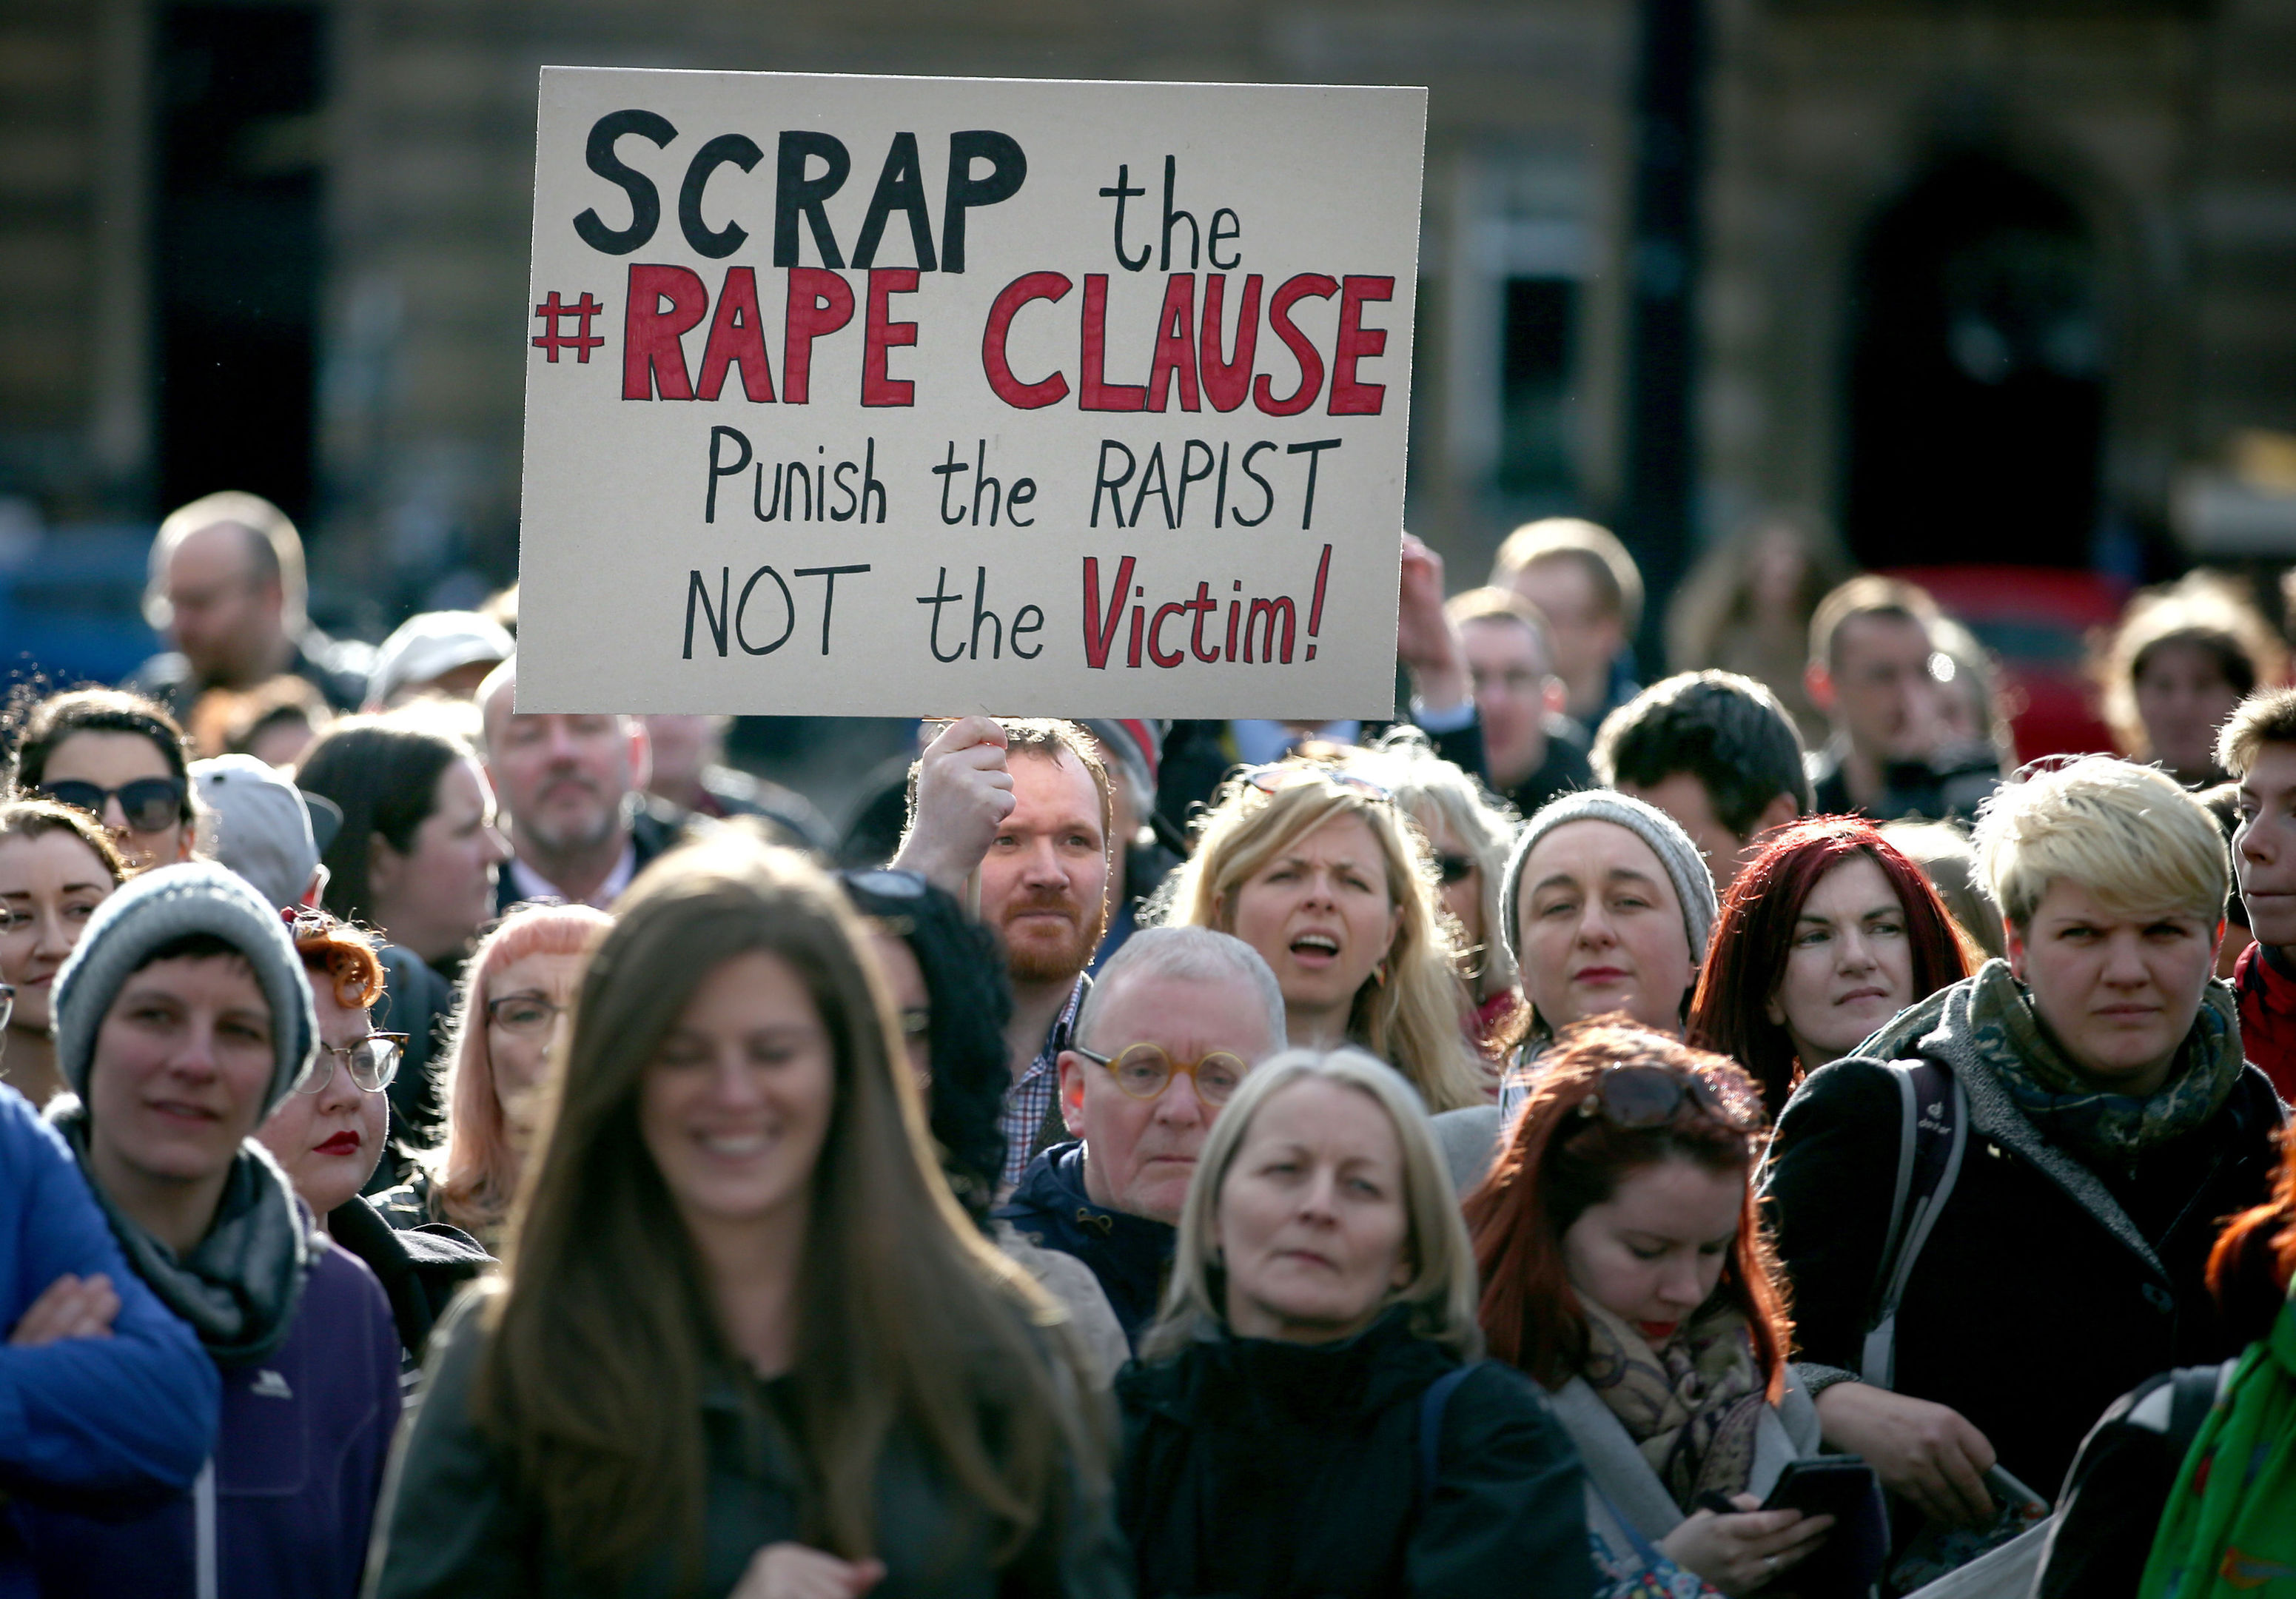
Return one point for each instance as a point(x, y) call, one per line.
point(156, 909)
point(1685, 868)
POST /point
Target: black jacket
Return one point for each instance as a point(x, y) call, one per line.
point(456, 1520)
point(338, 671)
point(1126, 1253)
point(2047, 1290)
point(421, 1268)
point(1292, 1472)
point(416, 1001)
point(656, 828)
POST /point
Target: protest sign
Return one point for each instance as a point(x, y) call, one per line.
point(878, 396)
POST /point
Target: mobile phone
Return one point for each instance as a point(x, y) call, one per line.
point(1823, 1485)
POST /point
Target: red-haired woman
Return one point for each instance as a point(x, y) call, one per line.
point(1830, 931)
point(1625, 1267)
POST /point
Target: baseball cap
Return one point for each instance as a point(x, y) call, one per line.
point(430, 645)
point(268, 830)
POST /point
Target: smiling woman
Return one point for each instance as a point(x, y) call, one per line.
point(734, 1104)
point(120, 757)
point(56, 866)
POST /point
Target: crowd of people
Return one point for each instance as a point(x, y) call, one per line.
point(1731, 1137)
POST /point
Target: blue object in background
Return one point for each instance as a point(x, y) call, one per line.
point(71, 604)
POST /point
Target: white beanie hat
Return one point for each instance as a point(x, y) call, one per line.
point(1685, 868)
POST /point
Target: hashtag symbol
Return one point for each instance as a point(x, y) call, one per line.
point(551, 313)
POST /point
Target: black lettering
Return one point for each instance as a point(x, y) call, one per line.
point(1122, 192)
point(796, 194)
point(710, 509)
point(870, 484)
point(1195, 237)
point(742, 609)
point(900, 186)
point(1153, 480)
point(852, 500)
point(713, 616)
point(981, 481)
point(1021, 624)
point(743, 153)
point(981, 613)
point(937, 599)
point(1212, 245)
point(645, 200)
point(1115, 505)
point(828, 593)
point(946, 472)
point(1024, 490)
point(1007, 167)
point(1187, 450)
point(1269, 510)
point(1314, 450)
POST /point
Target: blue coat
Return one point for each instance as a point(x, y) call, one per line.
point(116, 1416)
point(299, 1460)
point(1127, 1253)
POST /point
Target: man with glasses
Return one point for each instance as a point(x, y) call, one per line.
point(227, 588)
point(1177, 1017)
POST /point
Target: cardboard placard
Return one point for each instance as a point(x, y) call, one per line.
point(880, 396)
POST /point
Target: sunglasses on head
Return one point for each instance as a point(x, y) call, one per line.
point(1278, 775)
point(150, 804)
point(1638, 1098)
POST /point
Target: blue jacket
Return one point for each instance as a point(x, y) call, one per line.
point(1127, 1253)
point(299, 1460)
point(131, 1414)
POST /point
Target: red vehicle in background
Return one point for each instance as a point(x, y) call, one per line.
point(2038, 621)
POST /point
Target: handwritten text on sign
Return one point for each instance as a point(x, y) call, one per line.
point(905, 396)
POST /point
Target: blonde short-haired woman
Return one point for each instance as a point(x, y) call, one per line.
point(2106, 1124)
point(1315, 867)
point(1308, 1416)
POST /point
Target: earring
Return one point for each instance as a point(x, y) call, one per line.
point(1379, 974)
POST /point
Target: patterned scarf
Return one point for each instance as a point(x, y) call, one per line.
point(2100, 1128)
point(1691, 1405)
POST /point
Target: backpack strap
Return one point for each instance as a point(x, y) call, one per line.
point(2193, 1392)
point(1432, 1403)
point(1934, 1135)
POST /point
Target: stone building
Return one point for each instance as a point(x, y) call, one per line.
point(1980, 276)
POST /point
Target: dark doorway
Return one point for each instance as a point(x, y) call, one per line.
point(1977, 380)
point(238, 241)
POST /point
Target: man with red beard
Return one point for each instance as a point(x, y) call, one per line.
point(1014, 816)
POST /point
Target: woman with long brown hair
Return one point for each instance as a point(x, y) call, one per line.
point(1624, 1266)
point(745, 1342)
point(1828, 933)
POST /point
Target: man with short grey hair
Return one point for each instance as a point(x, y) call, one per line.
point(1175, 1019)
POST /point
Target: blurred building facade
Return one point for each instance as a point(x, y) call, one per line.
point(1979, 277)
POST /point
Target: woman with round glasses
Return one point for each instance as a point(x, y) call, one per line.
point(515, 985)
point(1316, 868)
point(1302, 1420)
point(1827, 933)
point(327, 1135)
point(57, 864)
point(120, 758)
point(183, 1019)
point(1625, 1267)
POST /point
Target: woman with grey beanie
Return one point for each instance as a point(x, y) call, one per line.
point(1605, 907)
point(182, 1017)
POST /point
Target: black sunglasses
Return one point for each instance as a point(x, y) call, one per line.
point(150, 804)
point(1640, 1097)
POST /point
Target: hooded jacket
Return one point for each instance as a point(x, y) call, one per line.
point(118, 1416)
point(1289, 1471)
point(303, 1339)
point(1129, 1254)
point(421, 1267)
point(2048, 1288)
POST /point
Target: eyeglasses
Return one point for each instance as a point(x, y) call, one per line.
point(888, 884)
point(150, 804)
point(523, 1013)
point(1143, 1071)
point(371, 1063)
point(1279, 775)
point(916, 1021)
point(1455, 868)
point(1639, 1097)
point(7, 1003)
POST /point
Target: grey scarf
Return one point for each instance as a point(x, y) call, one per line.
point(240, 1285)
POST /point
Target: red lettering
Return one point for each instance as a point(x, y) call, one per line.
point(1305, 286)
point(1011, 390)
point(1176, 345)
point(820, 302)
point(737, 339)
point(1097, 395)
point(879, 334)
point(651, 356)
point(1228, 383)
point(1100, 638)
point(1349, 397)
point(1156, 651)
